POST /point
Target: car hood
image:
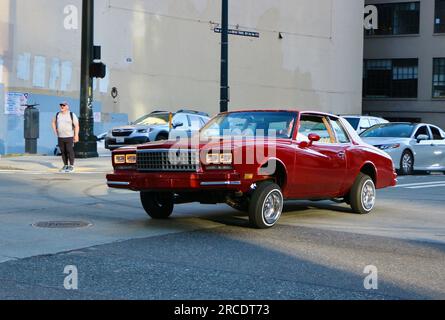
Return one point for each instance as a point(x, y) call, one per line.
point(382, 141)
point(137, 127)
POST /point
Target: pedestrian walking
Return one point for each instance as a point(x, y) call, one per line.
point(66, 127)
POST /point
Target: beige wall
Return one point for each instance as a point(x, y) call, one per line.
point(175, 54)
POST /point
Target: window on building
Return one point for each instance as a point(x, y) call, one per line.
point(398, 18)
point(439, 19)
point(439, 78)
point(397, 78)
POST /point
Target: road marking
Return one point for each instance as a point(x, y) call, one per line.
point(49, 172)
point(420, 184)
point(426, 187)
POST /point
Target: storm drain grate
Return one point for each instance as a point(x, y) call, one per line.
point(62, 224)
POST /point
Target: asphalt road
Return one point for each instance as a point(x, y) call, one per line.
point(318, 250)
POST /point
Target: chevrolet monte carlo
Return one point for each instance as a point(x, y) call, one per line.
point(254, 161)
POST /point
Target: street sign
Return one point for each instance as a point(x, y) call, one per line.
point(237, 32)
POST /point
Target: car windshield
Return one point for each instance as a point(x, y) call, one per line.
point(153, 120)
point(251, 124)
point(399, 130)
point(353, 121)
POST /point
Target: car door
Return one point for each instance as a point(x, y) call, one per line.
point(438, 144)
point(181, 127)
point(320, 168)
point(423, 149)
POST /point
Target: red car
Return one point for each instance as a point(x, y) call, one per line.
point(254, 161)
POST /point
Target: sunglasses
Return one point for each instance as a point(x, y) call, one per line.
point(63, 105)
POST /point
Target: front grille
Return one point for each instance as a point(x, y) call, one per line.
point(168, 160)
point(122, 133)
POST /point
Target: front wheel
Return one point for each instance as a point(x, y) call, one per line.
point(158, 205)
point(363, 195)
point(407, 163)
point(266, 205)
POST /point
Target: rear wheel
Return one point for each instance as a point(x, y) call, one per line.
point(363, 195)
point(266, 205)
point(158, 205)
point(407, 163)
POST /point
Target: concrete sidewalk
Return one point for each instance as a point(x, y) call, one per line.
point(52, 164)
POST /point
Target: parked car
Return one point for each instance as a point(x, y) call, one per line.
point(362, 123)
point(314, 156)
point(413, 147)
point(156, 126)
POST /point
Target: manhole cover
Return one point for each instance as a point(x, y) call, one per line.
point(62, 224)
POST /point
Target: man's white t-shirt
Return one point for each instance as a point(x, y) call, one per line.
point(65, 125)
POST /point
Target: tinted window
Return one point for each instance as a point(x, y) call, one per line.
point(354, 122)
point(436, 133)
point(389, 131)
point(340, 132)
point(316, 125)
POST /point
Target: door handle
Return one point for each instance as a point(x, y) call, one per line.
point(342, 154)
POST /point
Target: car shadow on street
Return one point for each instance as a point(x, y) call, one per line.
point(239, 219)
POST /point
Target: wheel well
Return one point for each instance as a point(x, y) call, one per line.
point(279, 174)
point(162, 134)
point(369, 170)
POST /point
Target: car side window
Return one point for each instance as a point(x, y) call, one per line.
point(318, 125)
point(195, 123)
point(182, 118)
point(340, 132)
point(422, 131)
point(365, 124)
point(436, 133)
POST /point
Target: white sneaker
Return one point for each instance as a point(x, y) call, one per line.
point(64, 169)
point(70, 169)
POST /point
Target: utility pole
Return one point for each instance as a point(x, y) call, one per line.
point(87, 146)
point(224, 103)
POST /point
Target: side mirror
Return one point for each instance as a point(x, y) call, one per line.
point(177, 124)
point(312, 138)
point(422, 137)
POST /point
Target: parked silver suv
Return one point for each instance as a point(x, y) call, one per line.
point(156, 126)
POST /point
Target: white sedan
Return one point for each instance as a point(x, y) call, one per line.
point(413, 147)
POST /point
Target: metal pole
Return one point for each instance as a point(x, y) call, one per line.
point(87, 146)
point(224, 103)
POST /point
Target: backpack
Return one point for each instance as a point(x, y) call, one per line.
point(72, 120)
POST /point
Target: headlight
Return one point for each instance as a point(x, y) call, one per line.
point(219, 158)
point(125, 159)
point(119, 159)
point(143, 131)
point(213, 158)
point(130, 158)
point(390, 146)
point(226, 158)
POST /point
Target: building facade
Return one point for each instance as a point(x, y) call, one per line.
point(165, 55)
point(404, 66)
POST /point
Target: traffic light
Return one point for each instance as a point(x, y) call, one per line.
point(97, 69)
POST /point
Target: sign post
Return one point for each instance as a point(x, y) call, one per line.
point(224, 103)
